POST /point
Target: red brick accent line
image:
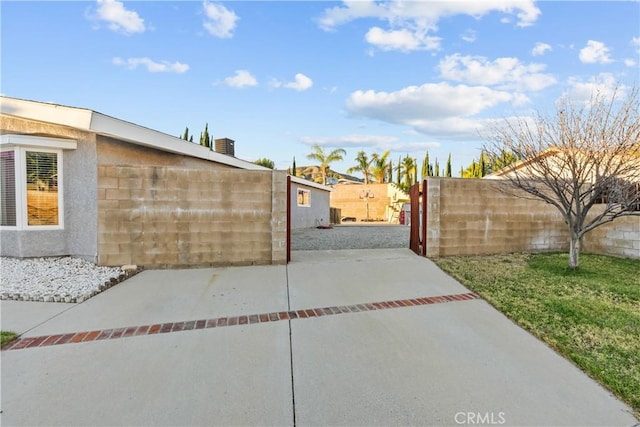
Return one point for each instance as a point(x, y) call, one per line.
point(110, 334)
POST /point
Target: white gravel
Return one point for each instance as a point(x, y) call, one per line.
point(54, 279)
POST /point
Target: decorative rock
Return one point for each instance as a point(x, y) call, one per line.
point(55, 279)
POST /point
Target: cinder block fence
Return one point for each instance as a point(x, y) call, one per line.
point(472, 217)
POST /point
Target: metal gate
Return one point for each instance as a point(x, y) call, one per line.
point(288, 218)
point(418, 233)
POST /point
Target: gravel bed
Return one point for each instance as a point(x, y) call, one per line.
point(350, 237)
point(55, 279)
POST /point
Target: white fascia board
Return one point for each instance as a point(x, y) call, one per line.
point(51, 113)
point(310, 183)
point(11, 140)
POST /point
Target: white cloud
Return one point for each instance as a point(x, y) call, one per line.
point(540, 49)
point(404, 40)
point(425, 14)
point(452, 127)
point(220, 21)
point(604, 84)
point(241, 79)
point(300, 83)
point(355, 140)
point(118, 18)
point(433, 100)
point(375, 142)
point(152, 66)
point(630, 62)
point(432, 108)
point(411, 22)
point(636, 42)
point(506, 73)
point(595, 52)
point(469, 36)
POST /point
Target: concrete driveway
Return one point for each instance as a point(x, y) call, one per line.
point(351, 337)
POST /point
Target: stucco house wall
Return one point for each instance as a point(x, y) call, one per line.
point(312, 211)
point(79, 192)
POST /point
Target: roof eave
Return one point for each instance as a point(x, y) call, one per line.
point(102, 124)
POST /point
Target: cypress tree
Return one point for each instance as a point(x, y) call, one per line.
point(205, 140)
point(185, 136)
point(293, 169)
point(390, 172)
point(399, 174)
point(448, 172)
point(424, 170)
point(436, 172)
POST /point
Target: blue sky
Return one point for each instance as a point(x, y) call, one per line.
point(277, 77)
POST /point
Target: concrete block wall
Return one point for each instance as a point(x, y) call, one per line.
point(470, 217)
point(346, 197)
point(618, 238)
point(157, 216)
point(160, 210)
point(278, 217)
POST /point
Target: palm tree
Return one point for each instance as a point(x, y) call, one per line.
point(363, 164)
point(381, 166)
point(267, 163)
point(407, 169)
point(319, 155)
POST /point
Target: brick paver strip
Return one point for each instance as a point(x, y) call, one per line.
point(136, 331)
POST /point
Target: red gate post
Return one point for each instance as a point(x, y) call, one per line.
point(424, 217)
point(288, 218)
point(414, 236)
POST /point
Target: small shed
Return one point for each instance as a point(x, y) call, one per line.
point(309, 204)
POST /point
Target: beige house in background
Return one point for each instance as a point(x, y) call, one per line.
point(377, 202)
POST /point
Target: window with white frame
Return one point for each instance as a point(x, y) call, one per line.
point(31, 182)
point(8, 188)
point(304, 198)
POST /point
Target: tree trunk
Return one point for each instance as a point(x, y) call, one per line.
point(574, 252)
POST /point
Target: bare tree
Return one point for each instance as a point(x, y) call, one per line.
point(584, 159)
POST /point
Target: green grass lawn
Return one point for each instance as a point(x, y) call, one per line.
point(6, 336)
point(590, 315)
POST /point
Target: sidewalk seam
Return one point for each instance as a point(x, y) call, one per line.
point(293, 389)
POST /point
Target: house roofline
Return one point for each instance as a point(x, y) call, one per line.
point(102, 124)
point(310, 183)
